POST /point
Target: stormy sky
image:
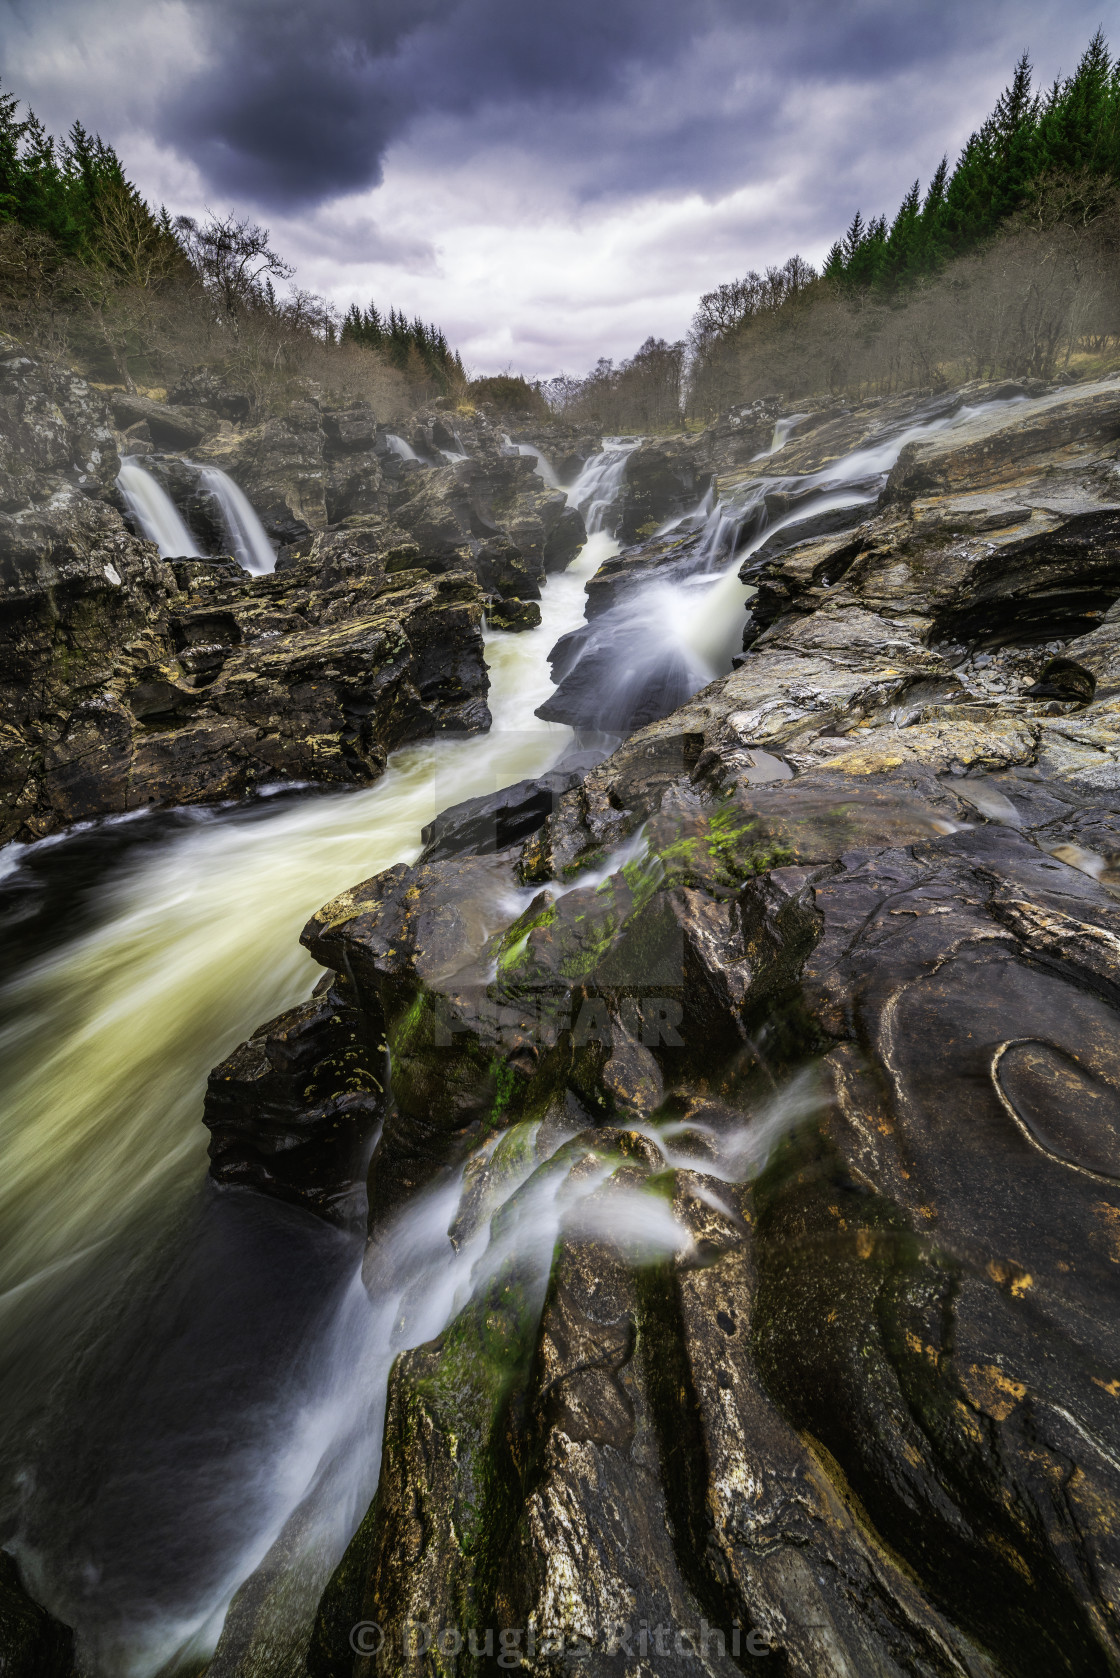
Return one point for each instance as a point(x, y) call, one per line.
point(550, 180)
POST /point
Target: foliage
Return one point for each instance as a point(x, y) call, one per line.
point(419, 351)
point(1072, 128)
point(76, 194)
point(509, 393)
point(641, 394)
point(88, 270)
point(1006, 265)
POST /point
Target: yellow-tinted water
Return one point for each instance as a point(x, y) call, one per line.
point(111, 1035)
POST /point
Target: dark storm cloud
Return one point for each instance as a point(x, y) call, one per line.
point(299, 102)
point(294, 102)
point(563, 176)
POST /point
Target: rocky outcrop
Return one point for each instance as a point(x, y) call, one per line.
point(818, 1080)
point(313, 674)
point(161, 424)
point(665, 478)
point(129, 681)
point(293, 1111)
point(565, 447)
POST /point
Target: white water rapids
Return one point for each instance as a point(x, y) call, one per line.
point(108, 1041)
point(215, 1362)
point(669, 636)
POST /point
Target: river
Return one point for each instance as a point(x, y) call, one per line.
point(186, 1366)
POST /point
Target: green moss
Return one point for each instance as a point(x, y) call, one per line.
point(505, 1082)
point(406, 1028)
point(483, 1355)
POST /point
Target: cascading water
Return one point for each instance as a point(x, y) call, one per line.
point(184, 944)
point(544, 468)
point(187, 1404)
point(596, 489)
point(247, 537)
point(154, 511)
point(400, 447)
point(665, 638)
point(782, 430)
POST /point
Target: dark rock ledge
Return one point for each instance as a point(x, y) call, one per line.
point(856, 1036)
point(128, 680)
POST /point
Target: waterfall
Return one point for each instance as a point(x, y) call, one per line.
point(668, 636)
point(596, 489)
point(400, 447)
point(154, 511)
point(246, 533)
point(782, 429)
point(172, 1479)
point(543, 467)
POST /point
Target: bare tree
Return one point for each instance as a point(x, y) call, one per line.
point(234, 259)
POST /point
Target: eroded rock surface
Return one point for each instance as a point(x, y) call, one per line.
point(128, 680)
point(196, 682)
point(822, 1075)
point(293, 1111)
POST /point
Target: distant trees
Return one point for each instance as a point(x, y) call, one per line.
point(1006, 264)
point(510, 393)
point(1071, 128)
point(88, 269)
point(641, 394)
point(418, 350)
point(75, 194)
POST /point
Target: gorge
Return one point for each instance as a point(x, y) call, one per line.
point(675, 1184)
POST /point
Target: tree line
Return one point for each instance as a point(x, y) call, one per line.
point(1006, 265)
point(414, 347)
point(89, 269)
point(1072, 129)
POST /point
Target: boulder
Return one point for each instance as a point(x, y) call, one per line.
point(495, 821)
point(166, 426)
point(513, 615)
point(292, 1112)
point(206, 388)
point(664, 479)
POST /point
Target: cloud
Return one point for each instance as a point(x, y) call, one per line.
point(550, 182)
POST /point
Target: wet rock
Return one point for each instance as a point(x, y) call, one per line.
point(495, 821)
point(880, 1324)
point(1064, 678)
point(664, 479)
point(281, 466)
point(165, 425)
point(313, 674)
point(863, 1412)
point(32, 1643)
point(293, 1111)
point(997, 446)
point(513, 615)
point(566, 447)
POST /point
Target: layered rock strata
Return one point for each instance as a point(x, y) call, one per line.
point(127, 680)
